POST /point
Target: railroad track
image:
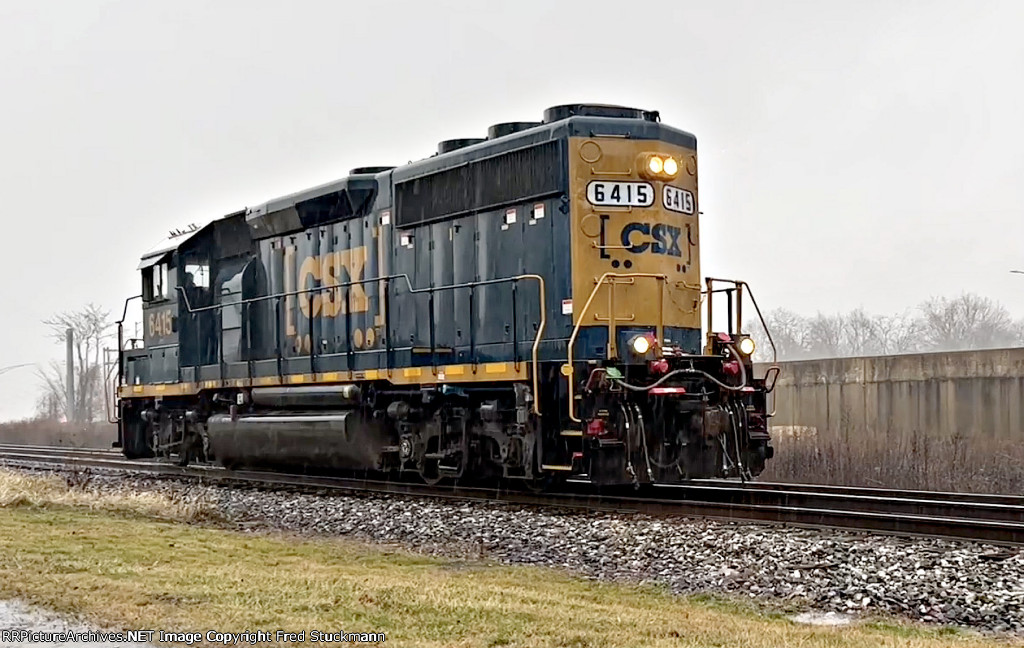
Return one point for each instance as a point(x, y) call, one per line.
point(996, 519)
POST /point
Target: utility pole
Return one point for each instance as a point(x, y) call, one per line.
point(70, 386)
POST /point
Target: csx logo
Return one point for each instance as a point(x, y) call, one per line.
point(334, 269)
point(656, 238)
point(327, 271)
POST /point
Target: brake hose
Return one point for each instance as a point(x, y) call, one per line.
point(640, 388)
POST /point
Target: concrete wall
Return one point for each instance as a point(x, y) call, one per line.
point(35, 432)
point(970, 392)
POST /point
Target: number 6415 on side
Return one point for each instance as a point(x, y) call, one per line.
point(620, 194)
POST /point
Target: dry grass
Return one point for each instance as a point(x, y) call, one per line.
point(20, 490)
point(915, 461)
point(55, 433)
point(134, 573)
point(68, 554)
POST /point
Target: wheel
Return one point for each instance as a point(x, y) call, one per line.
point(133, 439)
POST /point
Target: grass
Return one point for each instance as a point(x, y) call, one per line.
point(116, 565)
point(19, 490)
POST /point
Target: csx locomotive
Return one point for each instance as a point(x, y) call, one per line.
point(525, 306)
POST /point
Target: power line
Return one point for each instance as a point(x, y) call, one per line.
point(4, 370)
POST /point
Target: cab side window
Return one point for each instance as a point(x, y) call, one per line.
point(196, 284)
point(154, 283)
point(198, 274)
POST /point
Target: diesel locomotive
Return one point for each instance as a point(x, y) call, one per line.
point(521, 307)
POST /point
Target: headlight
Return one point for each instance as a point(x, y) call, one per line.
point(747, 346)
point(671, 166)
point(641, 345)
point(657, 166)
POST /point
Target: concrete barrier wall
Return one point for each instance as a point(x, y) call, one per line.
point(36, 432)
point(968, 392)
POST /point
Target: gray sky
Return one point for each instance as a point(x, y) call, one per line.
point(852, 153)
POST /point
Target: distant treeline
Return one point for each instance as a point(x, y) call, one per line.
point(938, 324)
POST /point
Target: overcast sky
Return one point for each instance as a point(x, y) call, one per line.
point(852, 153)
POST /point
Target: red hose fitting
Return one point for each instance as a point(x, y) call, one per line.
point(595, 428)
point(658, 366)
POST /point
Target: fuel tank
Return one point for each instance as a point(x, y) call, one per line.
point(321, 439)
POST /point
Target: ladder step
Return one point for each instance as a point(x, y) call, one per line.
point(572, 433)
point(556, 467)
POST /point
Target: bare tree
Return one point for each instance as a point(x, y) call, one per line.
point(788, 330)
point(966, 322)
point(897, 334)
point(50, 406)
point(860, 334)
point(865, 334)
point(1018, 333)
point(826, 336)
point(91, 326)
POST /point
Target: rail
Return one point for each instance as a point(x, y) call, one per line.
point(989, 518)
point(738, 287)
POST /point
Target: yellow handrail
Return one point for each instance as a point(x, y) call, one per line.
point(568, 370)
point(536, 340)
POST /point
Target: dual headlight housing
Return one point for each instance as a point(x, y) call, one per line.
point(658, 166)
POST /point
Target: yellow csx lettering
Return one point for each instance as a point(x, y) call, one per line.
point(326, 270)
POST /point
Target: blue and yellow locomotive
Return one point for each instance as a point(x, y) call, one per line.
point(524, 306)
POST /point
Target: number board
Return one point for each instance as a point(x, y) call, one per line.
point(159, 323)
point(677, 199)
point(620, 194)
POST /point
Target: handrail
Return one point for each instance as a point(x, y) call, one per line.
point(739, 324)
point(535, 352)
point(120, 352)
point(611, 323)
point(739, 310)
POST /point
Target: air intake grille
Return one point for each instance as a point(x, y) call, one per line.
point(480, 185)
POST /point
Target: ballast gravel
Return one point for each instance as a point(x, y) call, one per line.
point(939, 581)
